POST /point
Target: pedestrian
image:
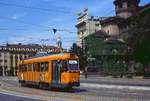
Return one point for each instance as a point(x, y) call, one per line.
point(85, 74)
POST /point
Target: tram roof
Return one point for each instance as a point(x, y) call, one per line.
point(49, 56)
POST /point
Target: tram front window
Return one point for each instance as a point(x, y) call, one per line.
point(73, 65)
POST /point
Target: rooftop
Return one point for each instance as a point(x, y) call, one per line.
point(19, 45)
point(110, 20)
point(101, 34)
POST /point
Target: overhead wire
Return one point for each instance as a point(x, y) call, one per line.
point(20, 21)
point(37, 25)
point(33, 24)
point(4, 29)
point(37, 8)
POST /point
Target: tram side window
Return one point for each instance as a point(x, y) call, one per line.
point(42, 67)
point(23, 68)
point(29, 67)
point(38, 67)
point(46, 66)
point(34, 67)
point(19, 68)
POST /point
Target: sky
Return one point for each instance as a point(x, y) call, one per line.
point(32, 21)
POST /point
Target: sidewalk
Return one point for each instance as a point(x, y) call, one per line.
point(95, 81)
point(137, 81)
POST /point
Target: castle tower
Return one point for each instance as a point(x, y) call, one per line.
point(126, 8)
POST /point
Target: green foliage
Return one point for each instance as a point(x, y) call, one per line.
point(79, 51)
point(140, 42)
point(114, 66)
point(108, 62)
point(75, 48)
point(94, 45)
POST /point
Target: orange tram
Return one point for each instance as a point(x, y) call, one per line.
point(58, 70)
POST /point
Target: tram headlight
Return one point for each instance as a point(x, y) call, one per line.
point(74, 79)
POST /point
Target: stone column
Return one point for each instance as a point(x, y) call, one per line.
point(8, 63)
point(3, 64)
point(0, 62)
point(22, 56)
point(27, 55)
point(18, 61)
point(14, 64)
point(18, 58)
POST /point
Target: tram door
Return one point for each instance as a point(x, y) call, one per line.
point(42, 71)
point(56, 68)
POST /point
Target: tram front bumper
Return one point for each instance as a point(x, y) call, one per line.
point(72, 84)
point(77, 84)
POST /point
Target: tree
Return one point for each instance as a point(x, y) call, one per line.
point(75, 48)
point(79, 51)
point(139, 42)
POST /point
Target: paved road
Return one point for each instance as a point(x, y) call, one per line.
point(105, 80)
point(8, 97)
point(116, 81)
point(77, 94)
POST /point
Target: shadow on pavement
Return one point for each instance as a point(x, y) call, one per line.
point(66, 90)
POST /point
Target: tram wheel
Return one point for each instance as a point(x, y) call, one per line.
point(40, 85)
point(22, 84)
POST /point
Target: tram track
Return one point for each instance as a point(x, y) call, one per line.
point(77, 94)
point(42, 97)
point(72, 94)
point(7, 86)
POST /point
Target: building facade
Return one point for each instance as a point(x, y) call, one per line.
point(123, 9)
point(110, 52)
point(126, 8)
point(86, 25)
point(113, 26)
point(10, 54)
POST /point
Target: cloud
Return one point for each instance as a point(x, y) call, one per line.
point(18, 16)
